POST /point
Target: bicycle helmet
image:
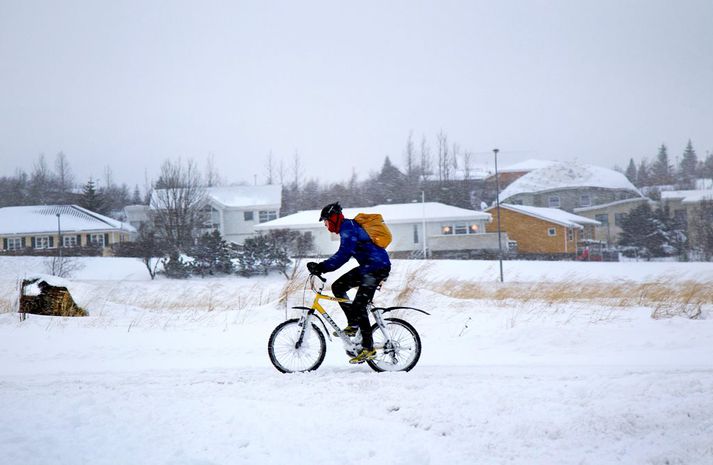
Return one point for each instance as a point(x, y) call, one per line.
point(329, 210)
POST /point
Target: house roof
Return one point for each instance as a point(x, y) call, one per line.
point(604, 206)
point(246, 196)
point(559, 175)
point(392, 213)
point(43, 219)
point(238, 196)
point(527, 165)
point(693, 196)
point(553, 215)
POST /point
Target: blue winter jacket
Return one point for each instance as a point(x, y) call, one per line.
point(355, 242)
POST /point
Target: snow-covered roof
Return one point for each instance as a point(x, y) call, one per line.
point(613, 204)
point(560, 175)
point(693, 196)
point(43, 219)
point(246, 196)
point(527, 165)
point(553, 215)
point(238, 196)
point(392, 213)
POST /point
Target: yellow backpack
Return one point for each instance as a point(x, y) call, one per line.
point(373, 224)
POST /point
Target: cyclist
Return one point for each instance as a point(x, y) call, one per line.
point(374, 267)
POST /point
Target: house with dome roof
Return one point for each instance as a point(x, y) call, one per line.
point(589, 191)
point(569, 186)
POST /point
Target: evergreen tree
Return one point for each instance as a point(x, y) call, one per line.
point(136, 196)
point(661, 169)
point(643, 231)
point(707, 168)
point(688, 167)
point(701, 227)
point(212, 255)
point(91, 199)
point(631, 173)
point(643, 177)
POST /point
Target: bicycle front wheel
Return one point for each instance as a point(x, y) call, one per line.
point(287, 357)
point(400, 352)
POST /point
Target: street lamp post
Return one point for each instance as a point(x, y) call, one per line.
point(497, 201)
point(423, 217)
point(59, 237)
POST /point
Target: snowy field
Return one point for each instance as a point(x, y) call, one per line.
point(177, 372)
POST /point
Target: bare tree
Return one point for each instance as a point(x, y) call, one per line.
point(270, 168)
point(212, 177)
point(63, 173)
point(297, 170)
point(410, 155)
point(467, 161)
point(444, 167)
point(177, 203)
point(426, 168)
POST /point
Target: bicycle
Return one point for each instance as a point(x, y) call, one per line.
point(298, 344)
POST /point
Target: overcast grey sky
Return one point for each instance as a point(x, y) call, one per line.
point(131, 83)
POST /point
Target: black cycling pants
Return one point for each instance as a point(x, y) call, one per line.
point(356, 311)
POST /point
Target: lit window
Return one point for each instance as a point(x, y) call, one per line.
point(552, 232)
point(473, 229)
point(446, 229)
point(554, 201)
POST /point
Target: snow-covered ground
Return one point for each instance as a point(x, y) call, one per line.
point(177, 372)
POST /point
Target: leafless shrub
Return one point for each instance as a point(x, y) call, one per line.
point(62, 266)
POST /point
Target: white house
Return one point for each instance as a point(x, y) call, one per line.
point(448, 229)
point(233, 210)
point(48, 226)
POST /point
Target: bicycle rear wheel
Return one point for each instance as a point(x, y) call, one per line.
point(288, 358)
point(401, 352)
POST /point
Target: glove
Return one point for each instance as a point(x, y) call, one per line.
point(314, 268)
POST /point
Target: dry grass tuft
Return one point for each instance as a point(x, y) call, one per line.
point(666, 298)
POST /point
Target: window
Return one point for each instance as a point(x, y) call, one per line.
point(460, 228)
point(618, 218)
point(552, 232)
point(248, 216)
point(553, 201)
point(415, 233)
point(14, 243)
point(570, 234)
point(603, 218)
point(268, 215)
point(97, 239)
point(69, 241)
point(42, 242)
point(585, 200)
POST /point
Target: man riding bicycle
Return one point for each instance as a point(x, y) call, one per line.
point(374, 267)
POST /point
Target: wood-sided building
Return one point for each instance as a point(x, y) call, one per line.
point(541, 231)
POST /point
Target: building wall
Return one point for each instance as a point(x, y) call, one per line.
point(531, 233)
point(82, 238)
point(571, 198)
point(609, 232)
point(234, 227)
